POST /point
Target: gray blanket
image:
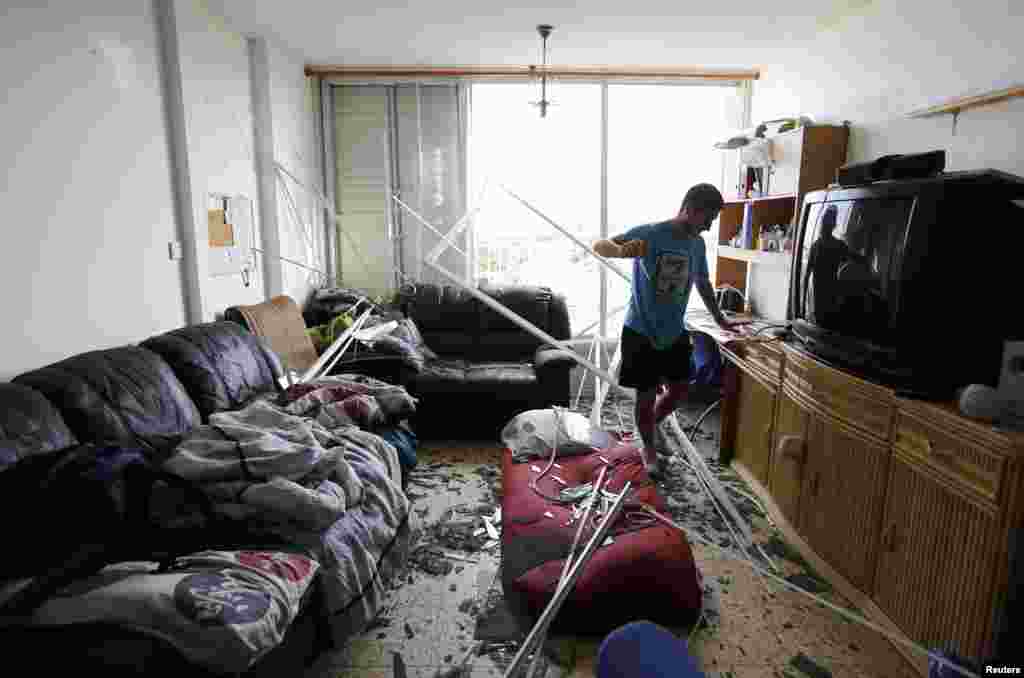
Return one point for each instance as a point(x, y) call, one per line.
point(317, 481)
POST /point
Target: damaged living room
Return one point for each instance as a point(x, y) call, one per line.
point(361, 340)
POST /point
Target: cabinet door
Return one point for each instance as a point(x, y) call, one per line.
point(843, 497)
point(788, 456)
point(754, 411)
point(937, 558)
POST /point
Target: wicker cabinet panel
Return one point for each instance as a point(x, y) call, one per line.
point(754, 425)
point(789, 455)
point(938, 549)
point(844, 497)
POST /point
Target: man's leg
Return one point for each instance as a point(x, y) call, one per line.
point(675, 363)
point(669, 400)
point(646, 421)
point(639, 371)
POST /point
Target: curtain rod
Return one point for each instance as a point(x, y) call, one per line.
point(566, 72)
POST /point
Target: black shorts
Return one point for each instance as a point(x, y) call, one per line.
point(645, 367)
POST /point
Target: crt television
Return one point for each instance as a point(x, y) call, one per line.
point(912, 283)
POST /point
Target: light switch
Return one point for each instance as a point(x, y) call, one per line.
point(174, 250)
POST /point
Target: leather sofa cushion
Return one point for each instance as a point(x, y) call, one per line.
point(29, 424)
point(443, 307)
point(440, 377)
point(531, 302)
point(499, 381)
point(500, 375)
point(121, 396)
point(221, 364)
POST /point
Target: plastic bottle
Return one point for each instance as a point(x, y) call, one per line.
point(748, 229)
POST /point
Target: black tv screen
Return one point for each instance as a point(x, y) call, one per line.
point(849, 260)
point(903, 282)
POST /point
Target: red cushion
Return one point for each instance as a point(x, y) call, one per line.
point(647, 573)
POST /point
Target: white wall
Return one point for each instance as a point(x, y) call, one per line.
point(216, 74)
point(219, 124)
point(873, 65)
point(295, 106)
point(86, 196)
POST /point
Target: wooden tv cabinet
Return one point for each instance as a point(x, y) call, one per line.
point(908, 507)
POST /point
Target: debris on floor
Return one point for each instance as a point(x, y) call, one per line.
point(458, 508)
point(431, 560)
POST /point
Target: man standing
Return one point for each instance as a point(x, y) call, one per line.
point(669, 259)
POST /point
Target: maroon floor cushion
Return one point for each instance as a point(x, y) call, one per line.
point(646, 573)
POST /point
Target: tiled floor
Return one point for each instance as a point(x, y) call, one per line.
point(755, 630)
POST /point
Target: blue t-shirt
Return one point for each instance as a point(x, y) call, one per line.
point(662, 280)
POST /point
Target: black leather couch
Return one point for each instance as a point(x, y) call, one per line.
point(488, 368)
point(147, 396)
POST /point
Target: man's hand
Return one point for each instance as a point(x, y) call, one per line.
point(627, 250)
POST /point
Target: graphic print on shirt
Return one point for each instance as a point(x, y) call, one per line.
point(672, 273)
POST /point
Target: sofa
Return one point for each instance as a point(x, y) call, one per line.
point(482, 369)
point(278, 596)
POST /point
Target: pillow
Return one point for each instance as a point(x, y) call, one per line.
point(407, 342)
point(223, 610)
point(409, 354)
point(532, 434)
point(408, 332)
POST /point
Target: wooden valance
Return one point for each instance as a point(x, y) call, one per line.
point(666, 73)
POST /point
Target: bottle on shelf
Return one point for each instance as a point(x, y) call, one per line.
point(748, 227)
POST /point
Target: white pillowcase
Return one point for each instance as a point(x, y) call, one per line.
point(533, 433)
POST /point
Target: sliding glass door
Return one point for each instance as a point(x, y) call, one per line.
point(659, 143)
point(553, 164)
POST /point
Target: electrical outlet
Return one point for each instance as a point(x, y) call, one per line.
point(174, 250)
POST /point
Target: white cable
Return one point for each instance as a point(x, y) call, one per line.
point(297, 220)
point(583, 381)
point(705, 484)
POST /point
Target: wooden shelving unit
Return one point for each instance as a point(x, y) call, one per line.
point(805, 159)
point(753, 256)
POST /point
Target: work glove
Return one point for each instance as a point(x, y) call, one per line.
point(628, 250)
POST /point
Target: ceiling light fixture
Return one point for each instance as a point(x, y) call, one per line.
point(544, 30)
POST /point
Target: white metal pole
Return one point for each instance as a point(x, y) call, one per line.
point(601, 393)
point(603, 301)
point(317, 367)
point(585, 246)
point(563, 590)
point(428, 225)
point(356, 326)
point(453, 232)
point(591, 326)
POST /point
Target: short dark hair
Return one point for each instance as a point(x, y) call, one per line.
point(703, 197)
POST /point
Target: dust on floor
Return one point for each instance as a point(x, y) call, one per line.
point(750, 630)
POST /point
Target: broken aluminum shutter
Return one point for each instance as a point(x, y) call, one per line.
point(361, 140)
point(430, 150)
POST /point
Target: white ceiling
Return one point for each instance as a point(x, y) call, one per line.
point(724, 34)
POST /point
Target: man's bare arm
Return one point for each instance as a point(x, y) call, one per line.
point(707, 294)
